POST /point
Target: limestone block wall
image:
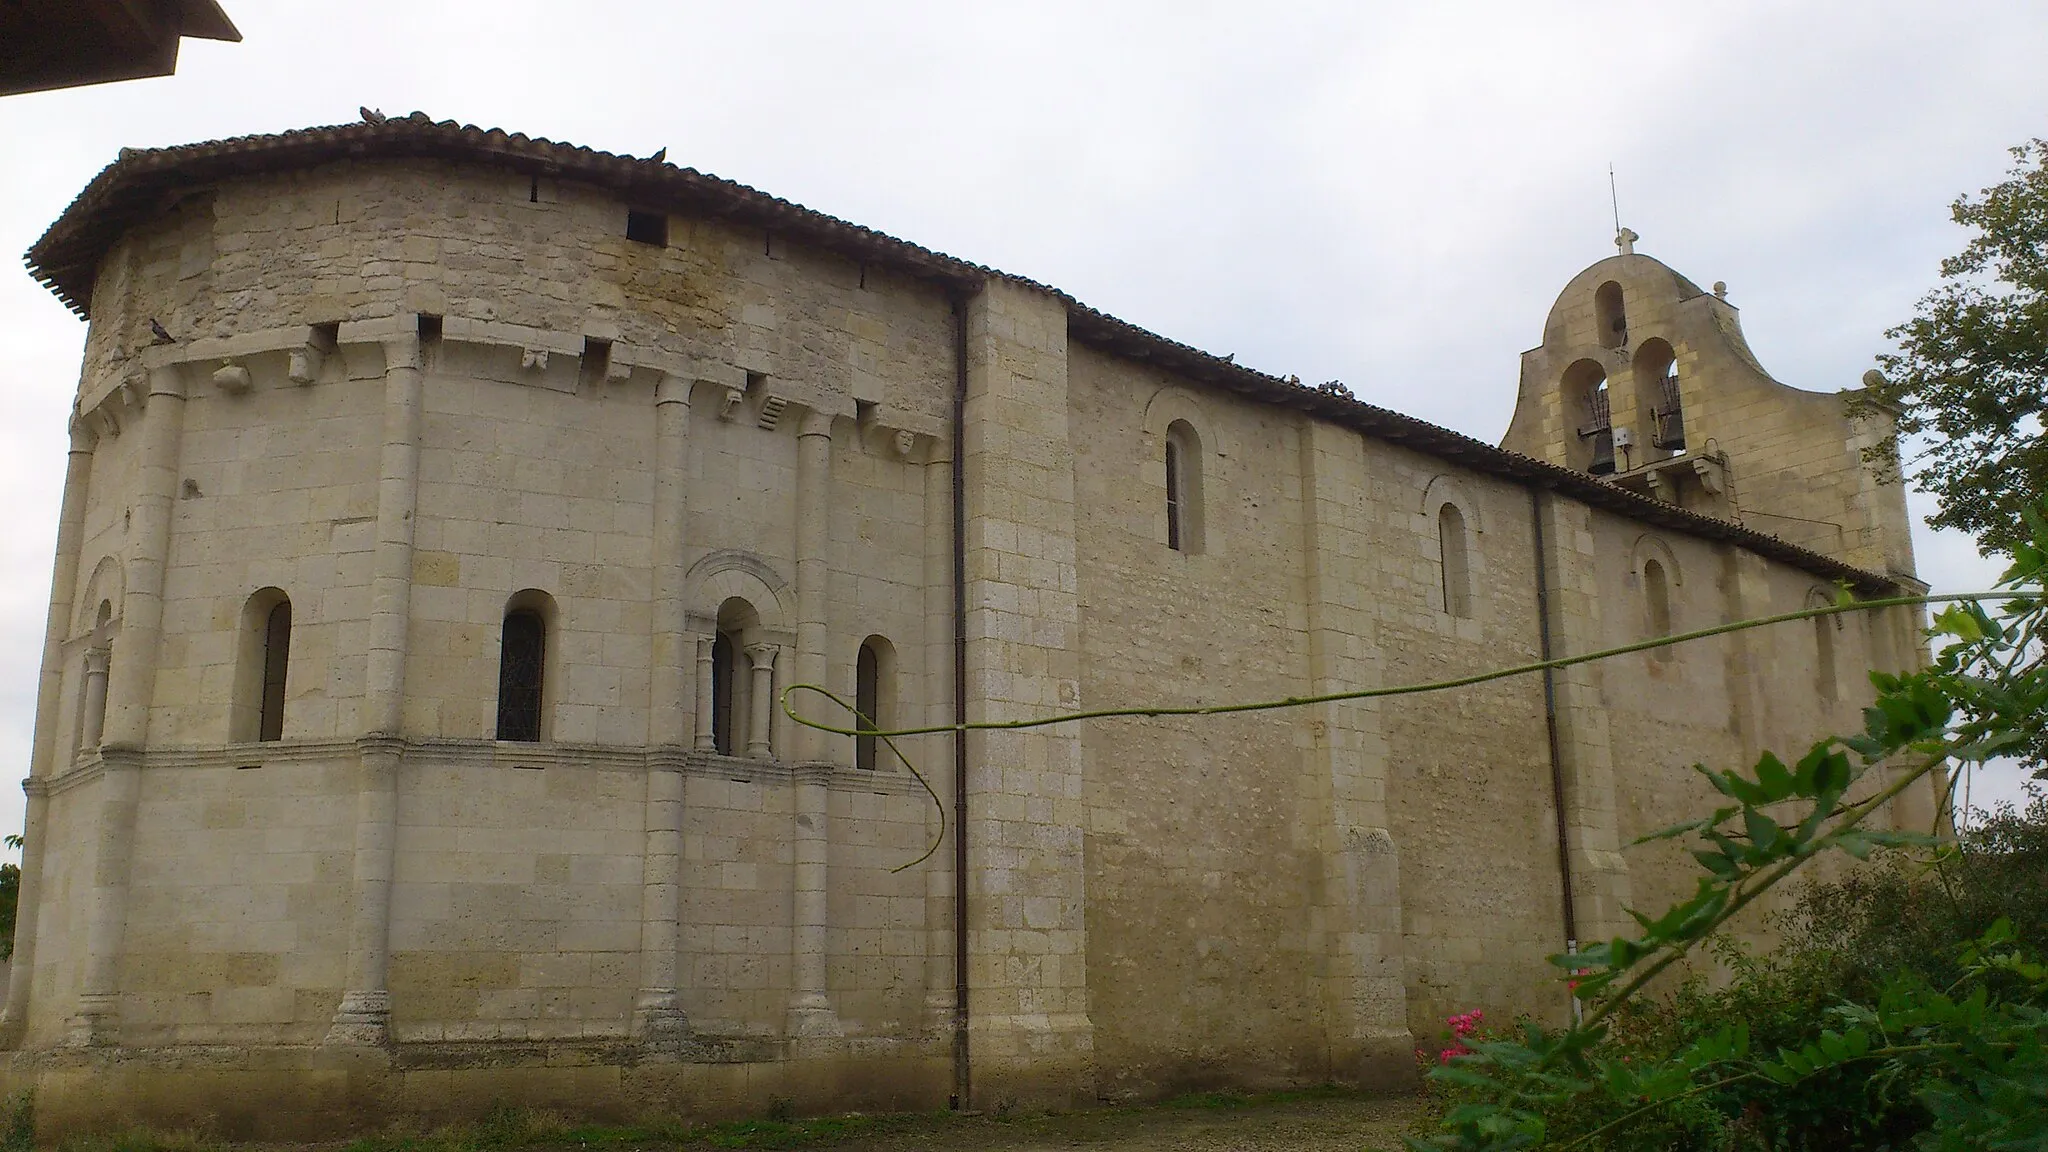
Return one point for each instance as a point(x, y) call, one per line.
point(70, 865)
point(1481, 895)
point(237, 914)
point(1204, 949)
point(277, 490)
point(1027, 929)
point(382, 238)
point(1194, 825)
point(525, 487)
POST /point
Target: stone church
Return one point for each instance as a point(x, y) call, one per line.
point(447, 511)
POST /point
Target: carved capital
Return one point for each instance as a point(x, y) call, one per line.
point(815, 423)
point(402, 351)
point(672, 389)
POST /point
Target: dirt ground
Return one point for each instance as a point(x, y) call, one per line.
point(1321, 1124)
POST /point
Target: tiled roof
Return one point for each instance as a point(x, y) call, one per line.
point(139, 183)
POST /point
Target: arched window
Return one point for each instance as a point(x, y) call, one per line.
point(725, 672)
point(262, 661)
point(1657, 402)
point(1824, 629)
point(1589, 429)
point(1657, 605)
point(742, 682)
point(1824, 655)
point(1183, 488)
point(1457, 579)
point(523, 666)
point(1610, 315)
point(874, 697)
point(277, 651)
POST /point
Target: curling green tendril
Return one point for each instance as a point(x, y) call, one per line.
point(888, 735)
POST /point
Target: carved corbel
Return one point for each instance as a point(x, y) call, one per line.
point(904, 441)
point(304, 366)
point(231, 378)
point(729, 407)
point(1710, 475)
point(772, 407)
point(535, 359)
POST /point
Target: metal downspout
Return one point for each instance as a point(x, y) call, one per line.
point(1543, 640)
point(962, 1079)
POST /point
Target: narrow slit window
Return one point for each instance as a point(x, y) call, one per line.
point(522, 664)
point(868, 702)
point(1824, 657)
point(1657, 605)
point(1173, 504)
point(1451, 545)
point(277, 648)
point(262, 659)
point(1183, 488)
point(724, 670)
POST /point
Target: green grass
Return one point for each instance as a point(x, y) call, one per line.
point(514, 1129)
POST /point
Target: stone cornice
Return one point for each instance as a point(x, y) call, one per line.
point(484, 753)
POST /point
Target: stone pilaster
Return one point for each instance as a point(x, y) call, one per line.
point(132, 681)
point(1029, 1035)
point(810, 1007)
point(63, 591)
point(97, 1022)
point(131, 684)
point(363, 1017)
point(1746, 578)
point(397, 501)
point(668, 705)
point(1600, 883)
point(22, 969)
point(1364, 995)
point(658, 1019)
point(813, 539)
point(937, 761)
point(57, 623)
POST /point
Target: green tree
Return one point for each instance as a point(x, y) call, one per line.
point(1971, 372)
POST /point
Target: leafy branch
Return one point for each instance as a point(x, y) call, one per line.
point(1984, 694)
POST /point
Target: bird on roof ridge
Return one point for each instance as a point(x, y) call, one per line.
point(372, 115)
point(660, 154)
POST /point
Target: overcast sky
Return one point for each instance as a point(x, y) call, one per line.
point(1387, 194)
